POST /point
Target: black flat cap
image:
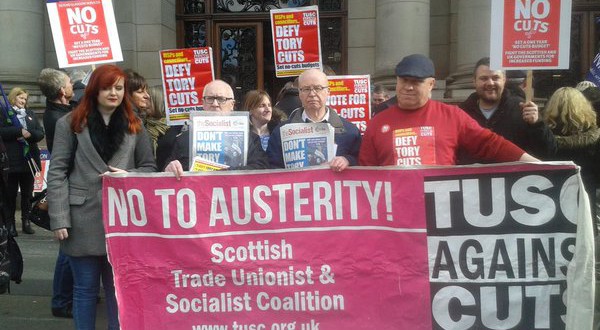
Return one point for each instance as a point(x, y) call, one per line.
point(415, 66)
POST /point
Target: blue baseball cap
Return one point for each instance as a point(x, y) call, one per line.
point(415, 66)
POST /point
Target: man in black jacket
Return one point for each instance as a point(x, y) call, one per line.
point(56, 86)
point(493, 106)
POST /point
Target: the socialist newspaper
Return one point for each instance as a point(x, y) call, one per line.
point(219, 138)
point(307, 144)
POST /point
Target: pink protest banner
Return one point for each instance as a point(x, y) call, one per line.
point(296, 40)
point(350, 97)
point(369, 248)
point(530, 34)
point(84, 32)
point(185, 72)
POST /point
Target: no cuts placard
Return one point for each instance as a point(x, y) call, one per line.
point(84, 32)
point(530, 34)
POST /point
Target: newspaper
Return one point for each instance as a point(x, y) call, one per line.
point(203, 165)
point(307, 144)
point(219, 138)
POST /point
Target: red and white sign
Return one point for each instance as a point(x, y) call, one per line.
point(350, 96)
point(296, 40)
point(530, 34)
point(507, 246)
point(39, 181)
point(84, 32)
point(185, 72)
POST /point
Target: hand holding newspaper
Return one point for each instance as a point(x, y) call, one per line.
point(307, 144)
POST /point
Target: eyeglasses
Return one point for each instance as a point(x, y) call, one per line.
point(317, 89)
point(220, 99)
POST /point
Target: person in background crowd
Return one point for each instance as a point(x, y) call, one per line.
point(137, 91)
point(420, 131)
point(516, 81)
point(20, 131)
point(58, 90)
point(584, 84)
point(573, 121)
point(110, 139)
point(77, 77)
point(328, 70)
point(591, 92)
point(217, 96)
point(288, 98)
point(314, 90)
point(155, 121)
point(379, 95)
point(263, 118)
point(495, 107)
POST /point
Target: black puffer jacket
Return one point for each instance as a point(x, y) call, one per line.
point(10, 135)
point(584, 150)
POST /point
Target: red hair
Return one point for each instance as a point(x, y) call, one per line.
point(103, 77)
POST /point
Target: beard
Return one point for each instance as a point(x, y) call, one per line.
point(490, 95)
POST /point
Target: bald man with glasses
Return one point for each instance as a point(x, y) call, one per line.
point(314, 90)
point(218, 97)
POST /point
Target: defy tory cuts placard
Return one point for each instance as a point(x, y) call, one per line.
point(84, 32)
point(185, 72)
point(484, 247)
point(530, 34)
point(296, 40)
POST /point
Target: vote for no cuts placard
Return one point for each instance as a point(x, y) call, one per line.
point(185, 72)
point(350, 96)
point(296, 40)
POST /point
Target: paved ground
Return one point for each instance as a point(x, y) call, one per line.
point(28, 306)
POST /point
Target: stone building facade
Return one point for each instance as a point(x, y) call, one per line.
point(371, 37)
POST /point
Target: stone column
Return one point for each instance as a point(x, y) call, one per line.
point(473, 43)
point(22, 51)
point(401, 28)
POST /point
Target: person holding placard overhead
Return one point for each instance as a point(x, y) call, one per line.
point(498, 108)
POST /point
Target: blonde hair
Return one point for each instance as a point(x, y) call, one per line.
point(568, 112)
point(12, 95)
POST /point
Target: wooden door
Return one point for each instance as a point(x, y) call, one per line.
point(239, 56)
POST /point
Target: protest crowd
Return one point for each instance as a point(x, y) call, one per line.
point(111, 122)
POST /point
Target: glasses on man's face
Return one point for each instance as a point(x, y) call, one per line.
point(219, 99)
point(308, 90)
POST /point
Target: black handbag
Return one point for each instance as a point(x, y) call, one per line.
point(39, 210)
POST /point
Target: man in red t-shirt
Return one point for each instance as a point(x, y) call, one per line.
point(420, 131)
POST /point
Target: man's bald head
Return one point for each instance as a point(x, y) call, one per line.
point(218, 96)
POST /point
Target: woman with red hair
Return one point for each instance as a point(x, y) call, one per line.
point(102, 135)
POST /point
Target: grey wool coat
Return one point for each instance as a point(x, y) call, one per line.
point(75, 199)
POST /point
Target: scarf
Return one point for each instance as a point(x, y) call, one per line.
point(21, 115)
